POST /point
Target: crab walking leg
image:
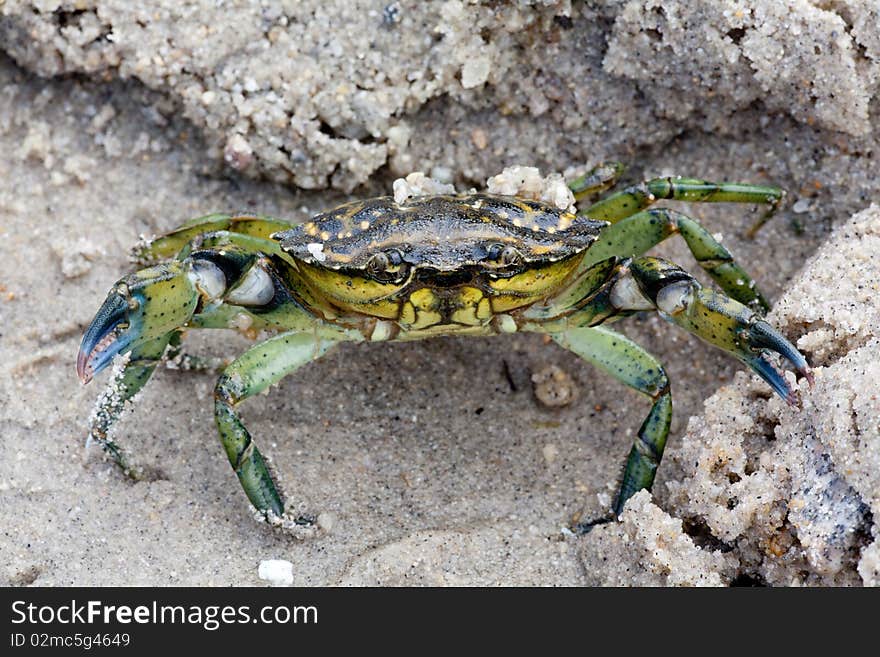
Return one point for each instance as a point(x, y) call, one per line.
point(176, 357)
point(633, 199)
point(180, 243)
point(127, 381)
point(630, 364)
point(140, 315)
point(613, 289)
point(596, 180)
point(252, 372)
point(636, 234)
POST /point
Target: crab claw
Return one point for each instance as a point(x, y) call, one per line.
point(139, 308)
point(761, 335)
point(733, 327)
point(106, 336)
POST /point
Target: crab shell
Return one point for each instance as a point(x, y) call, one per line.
point(441, 233)
point(450, 263)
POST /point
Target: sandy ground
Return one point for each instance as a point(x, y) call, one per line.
point(118, 121)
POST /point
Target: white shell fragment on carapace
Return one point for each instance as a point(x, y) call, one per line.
point(317, 251)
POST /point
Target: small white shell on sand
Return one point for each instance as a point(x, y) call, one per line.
point(278, 572)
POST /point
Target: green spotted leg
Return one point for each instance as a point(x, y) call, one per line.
point(140, 316)
point(615, 288)
point(633, 366)
point(596, 180)
point(180, 243)
point(633, 199)
point(127, 381)
point(255, 370)
point(145, 312)
point(636, 234)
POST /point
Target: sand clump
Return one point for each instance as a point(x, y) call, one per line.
point(322, 94)
point(649, 548)
point(794, 490)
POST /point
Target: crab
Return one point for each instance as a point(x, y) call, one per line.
point(474, 264)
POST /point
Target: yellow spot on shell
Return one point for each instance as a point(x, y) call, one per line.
point(365, 225)
point(424, 298)
point(325, 235)
point(540, 249)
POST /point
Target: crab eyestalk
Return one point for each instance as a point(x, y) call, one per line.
point(140, 308)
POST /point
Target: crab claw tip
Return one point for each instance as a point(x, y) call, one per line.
point(83, 370)
point(807, 373)
point(764, 336)
point(105, 337)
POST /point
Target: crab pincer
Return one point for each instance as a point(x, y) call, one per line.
point(731, 326)
point(139, 317)
point(141, 308)
point(761, 336)
point(108, 334)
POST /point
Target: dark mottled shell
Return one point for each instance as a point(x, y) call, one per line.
point(439, 232)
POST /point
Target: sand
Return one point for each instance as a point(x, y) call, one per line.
point(435, 462)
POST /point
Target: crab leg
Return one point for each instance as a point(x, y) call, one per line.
point(636, 234)
point(181, 242)
point(630, 364)
point(596, 180)
point(252, 372)
point(718, 320)
point(183, 360)
point(145, 311)
point(616, 289)
point(627, 202)
point(141, 316)
point(127, 381)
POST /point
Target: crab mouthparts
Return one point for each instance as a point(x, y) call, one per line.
point(105, 337)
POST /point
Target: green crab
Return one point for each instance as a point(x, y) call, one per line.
point(468, 264)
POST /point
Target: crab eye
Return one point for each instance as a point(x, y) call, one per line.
point(510, 256)
point(387, 267)
point(493, 251)
point(378, 264)
point(507, 260)
point(504, 254)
